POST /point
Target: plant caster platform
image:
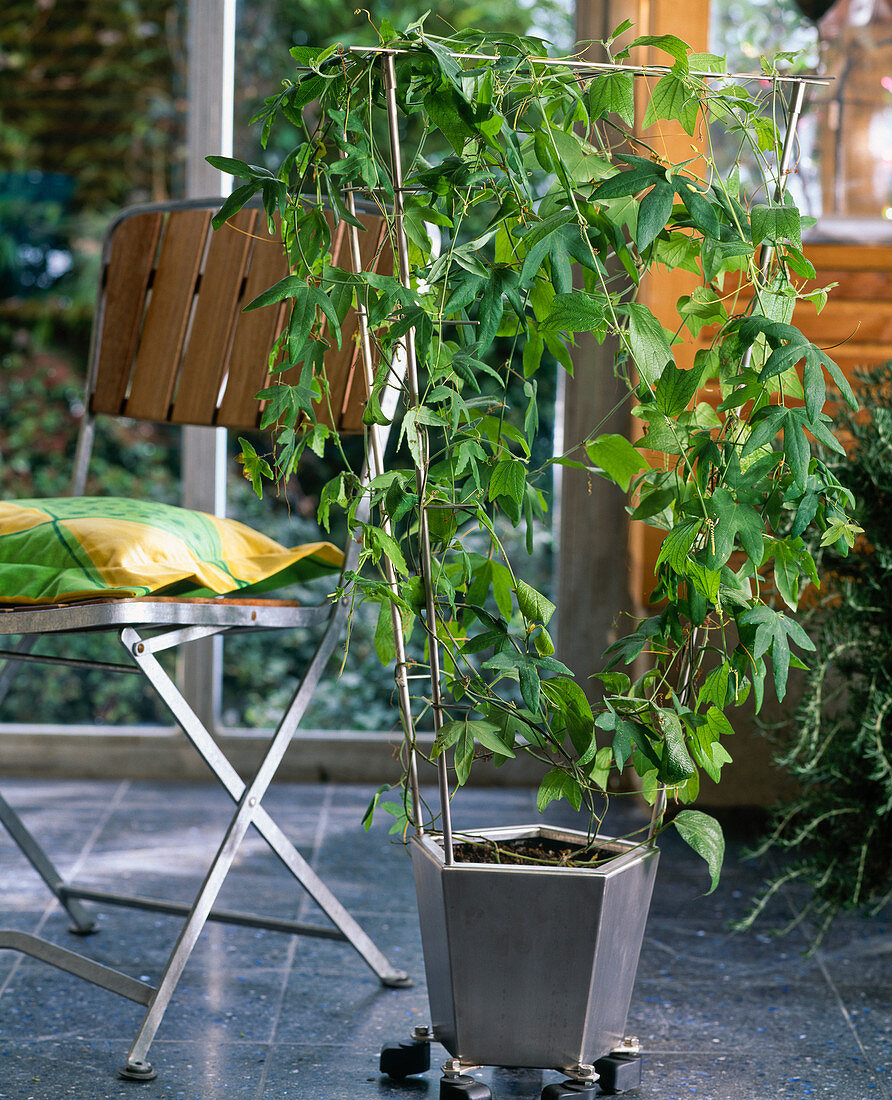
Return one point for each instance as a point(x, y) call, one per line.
point(570, 1090)
point(462, 1087)
point(619, 1071)
point(403, 1059)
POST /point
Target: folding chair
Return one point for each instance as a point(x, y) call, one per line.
point(171, 344)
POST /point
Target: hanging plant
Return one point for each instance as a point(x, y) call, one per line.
point(524, 210)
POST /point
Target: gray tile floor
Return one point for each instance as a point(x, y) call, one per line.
point(263, 1016)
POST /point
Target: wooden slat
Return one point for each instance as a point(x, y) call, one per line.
point(255, 334)
point(161, 345)
point(133, 248)
point(256, 331)
point(216, 310)
point(868, 285)
point(849, 256)
point(376, 255)
point(855, 322)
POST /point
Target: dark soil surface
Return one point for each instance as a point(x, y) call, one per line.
point(525, 851)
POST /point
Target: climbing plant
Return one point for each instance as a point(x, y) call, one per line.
point(531, 208)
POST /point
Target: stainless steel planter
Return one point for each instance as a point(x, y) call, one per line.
point(531, 966)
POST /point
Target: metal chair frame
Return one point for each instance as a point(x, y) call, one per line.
point(203, 372)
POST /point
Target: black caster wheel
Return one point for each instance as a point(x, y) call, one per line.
point(399, 1060)
point(619, 1072)
point(570, 1090)
point(463, 1087)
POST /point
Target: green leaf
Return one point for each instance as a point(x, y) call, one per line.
point(487, 735)
point(677, 764)
point(653, 214)
point(238, 167)
point(647, 340)
point(613, 93)
point(580, 159)
point(450, 115)
point(234, 202)
point(704, 834)
point(534, 607)
point(510, 662)
point(786, 571)
point(670, 43)
point(813, 386)
point(766, 423)
point(715, 687)
point(599, 773)
point(672, 99)
point(483, 732)
point(558, 784)
point(839, 378)
point(305, 92)
point(290, 287)
point(734, 519)
point(675, 389)
point(776, 223)
point(718, 724)
point(254, 467)
point(616, 458)
point(385, 646)
point(797, 450)
point(774, 631)
point(677, 545)
point(579, 311)
point(412, 429)
point(783, 358)
point(492, 307)
point(707, 63)
point(702, 212)
point(652, 503)
point(449, 66)
point(575, 712)
point(706, 581)
point(629, 182)
point(508, 479)
point(379, 542)
point(372, 806)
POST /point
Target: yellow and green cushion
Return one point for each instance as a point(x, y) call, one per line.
point(83, 548)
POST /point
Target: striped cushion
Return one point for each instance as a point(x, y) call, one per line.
point(83, 548)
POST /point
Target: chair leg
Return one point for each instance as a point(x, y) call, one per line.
point(249, 812)
point(136, 1064)
point(216, 760)
point(81, 916)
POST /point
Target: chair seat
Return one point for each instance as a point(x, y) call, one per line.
point(159, 611)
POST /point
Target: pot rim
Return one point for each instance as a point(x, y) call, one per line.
point(628, 852)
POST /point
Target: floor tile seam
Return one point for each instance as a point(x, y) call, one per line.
point(291, 951)
point(111, 807)
point(316, 846)
point(285, 972)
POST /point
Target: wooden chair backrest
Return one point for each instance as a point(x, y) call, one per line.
point(172, 343)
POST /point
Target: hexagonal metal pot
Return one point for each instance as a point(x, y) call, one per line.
point(531, 965)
